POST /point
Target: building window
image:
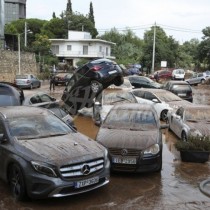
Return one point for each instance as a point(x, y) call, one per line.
point(107, 51)
point(68, 47)
point(100, 48)
point(85, 50)
point(55, 49)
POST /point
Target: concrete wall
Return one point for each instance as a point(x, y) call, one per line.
point(9, 64)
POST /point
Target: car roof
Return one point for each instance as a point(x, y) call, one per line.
point(152, 90)
point(195, 106)
point(11, 111)
point(134, 106)
point(178, 82)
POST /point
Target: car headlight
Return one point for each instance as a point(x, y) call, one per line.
point(195, 132)
point(43, 169)
point(152, 150)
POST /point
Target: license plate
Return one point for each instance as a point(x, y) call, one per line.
point(124, 160)
point(181, 94)
point(112, 72)
point(87, 182)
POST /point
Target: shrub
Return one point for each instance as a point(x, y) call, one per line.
point(195, 143)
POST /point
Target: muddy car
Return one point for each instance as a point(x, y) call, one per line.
point(43, 157)
point(193, 120)
point(132, 135)
point(88, 81)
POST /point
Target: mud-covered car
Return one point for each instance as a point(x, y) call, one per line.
point(27, 81)
point(62, 78)
point(42, 157)
point(107, 100)
point(10, 94)
point(88, 81)
point(190, 121)
point(132, 135)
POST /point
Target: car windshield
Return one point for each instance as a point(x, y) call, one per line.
point(37, 126)
point(131, 119)
point(167, 96)
point(181, 87)
point(197, 114)
point(21, 76)
point(115, 97)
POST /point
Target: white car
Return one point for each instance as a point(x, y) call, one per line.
point(107, 100)
point(162, 100)
point(178, 74)
point(191, 120)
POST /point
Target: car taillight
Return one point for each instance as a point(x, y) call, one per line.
point(96, 68)
point(28, 81)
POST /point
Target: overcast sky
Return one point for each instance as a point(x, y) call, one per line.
point(182, 19)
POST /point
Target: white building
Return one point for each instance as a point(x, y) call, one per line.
point(80, 45)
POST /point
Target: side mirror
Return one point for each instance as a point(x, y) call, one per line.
point(155, 100)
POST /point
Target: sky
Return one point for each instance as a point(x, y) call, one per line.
point(181, 19)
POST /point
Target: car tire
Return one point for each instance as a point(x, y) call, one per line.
point(39, 85)
point(16, 183)
point(184, 136)
point(163, 115)
point(95, 86)
point(118, 81)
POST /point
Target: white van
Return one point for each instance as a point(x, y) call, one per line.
point(178, 74)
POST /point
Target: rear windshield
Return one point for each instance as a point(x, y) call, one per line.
point(21, 76)
point(181, 87)
point(6, 100)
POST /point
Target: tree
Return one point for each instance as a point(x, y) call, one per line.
point(53, 15)
point(204, 48)
point(166, 48)
point(91, 14)
point(69, 7)
point(128, 47)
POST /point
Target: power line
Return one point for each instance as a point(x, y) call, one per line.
point(148, 26)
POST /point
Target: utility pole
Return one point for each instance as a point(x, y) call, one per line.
point(25, 44)
point(153, 52)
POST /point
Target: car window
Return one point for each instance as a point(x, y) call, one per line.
point(180, 112)
point(37, 126)
point(1, 128)
point(181, 87)
point(200, 75)
point(45, 98)
point(139, 94)
point(150, 96)
point(35, 99)
point(21, 76)
point(136, 119)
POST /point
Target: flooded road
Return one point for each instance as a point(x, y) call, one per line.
point(176, 187)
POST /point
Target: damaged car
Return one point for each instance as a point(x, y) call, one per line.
point(43, 157)
point(132, 135)
point(89, 81)
point(190, 121)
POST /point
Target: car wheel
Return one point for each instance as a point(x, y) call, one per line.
point(95, 86)
point(16, 183)
point(118, 81)
point(163, 115)
point(184, 136)
point(39, 85)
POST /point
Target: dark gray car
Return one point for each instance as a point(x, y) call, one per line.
point(43, 157)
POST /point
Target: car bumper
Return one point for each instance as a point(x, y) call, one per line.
point(40, 186)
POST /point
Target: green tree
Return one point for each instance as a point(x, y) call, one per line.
point(91, 14)
point(53, 15)
point(166, 48)
point(204, 48)
point(128, 47)
point(69, 8)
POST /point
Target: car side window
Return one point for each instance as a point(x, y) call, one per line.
point(139, 94)
point(180, 112)
point(149, 96)
point(1, 128)
point(200, 75)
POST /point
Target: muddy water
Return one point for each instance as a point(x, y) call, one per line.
point(176, 187)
